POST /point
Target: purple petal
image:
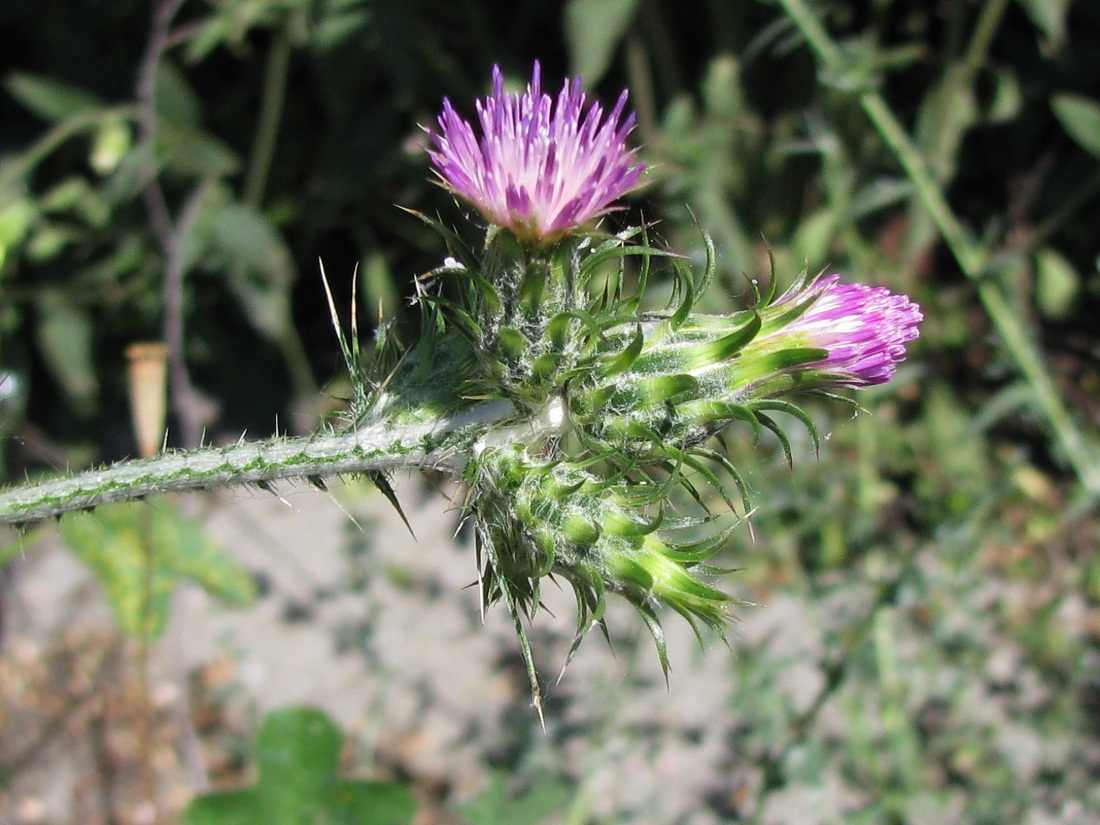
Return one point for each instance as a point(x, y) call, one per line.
point(542, 167)
point(864, 329)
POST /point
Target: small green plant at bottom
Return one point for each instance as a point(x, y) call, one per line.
point(297, 753)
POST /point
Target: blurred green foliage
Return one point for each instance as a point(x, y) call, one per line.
point(297, 753)
point(943, 547)
point(286, 130)
point(141, 553)
point(498, 804)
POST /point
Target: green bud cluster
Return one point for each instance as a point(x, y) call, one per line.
point(611, 470)
point(529, 315)
point(540, 516)
point(623, 403)
point(684, 378)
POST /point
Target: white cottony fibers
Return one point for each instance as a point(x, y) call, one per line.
point(555, 412)
point(547, 423)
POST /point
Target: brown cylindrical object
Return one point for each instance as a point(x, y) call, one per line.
point(148, 394)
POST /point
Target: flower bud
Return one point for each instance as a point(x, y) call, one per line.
point(539, 517)
point(690, 378)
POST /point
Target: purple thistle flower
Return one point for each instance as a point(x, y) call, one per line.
point(541, 167)
point(864, 329)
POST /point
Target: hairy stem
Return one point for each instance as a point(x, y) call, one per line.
point(441, 442)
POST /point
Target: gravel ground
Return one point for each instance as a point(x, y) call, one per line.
point(389, 641)
point(384, 634)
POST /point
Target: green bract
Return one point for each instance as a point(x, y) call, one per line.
point(610, 473)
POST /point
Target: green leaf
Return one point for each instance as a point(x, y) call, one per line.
point(709, 353)
point(112, 543)
point(74, 195)
point(948, 111)
point(794, 357)
point(189, 152)
point(815, 234)
point(16, 218)
point(769, 423)
point(338, 25)
point(580, 530)
point(50, 99)
point(1007, 99)
point(685, 286)
point(47, 242)
point(1049, 16)
point(176, 101)
point(379, 291)
point(65, 335)
point(224, 808)
point(710, 411)
point(793, 410)
point(497, 804)
point(140, 552)
point(511, 343)
point(723, 87)
point(297, 752)
point(258, 262)
point(1056, 283)
point(185, 550)
point(376, 803)
point(230, 24)
point(620, 523)
point(1080, 117)
point(593, 30)
point(183, 146)
point(545, 367)
point(112, 141)
point(881, 193)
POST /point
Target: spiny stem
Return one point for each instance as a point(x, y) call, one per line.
point(441, 442)
point(972, 259)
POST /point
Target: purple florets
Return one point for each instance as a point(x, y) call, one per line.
point(865, 329)
point(541, 167)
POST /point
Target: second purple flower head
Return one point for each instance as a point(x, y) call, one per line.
point(542, 167)
point(864, 329)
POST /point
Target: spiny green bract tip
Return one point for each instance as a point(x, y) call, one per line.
point(603, 532)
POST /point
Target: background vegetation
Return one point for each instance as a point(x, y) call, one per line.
point(174, 171)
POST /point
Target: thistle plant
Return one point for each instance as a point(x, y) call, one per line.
point(589, 431)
